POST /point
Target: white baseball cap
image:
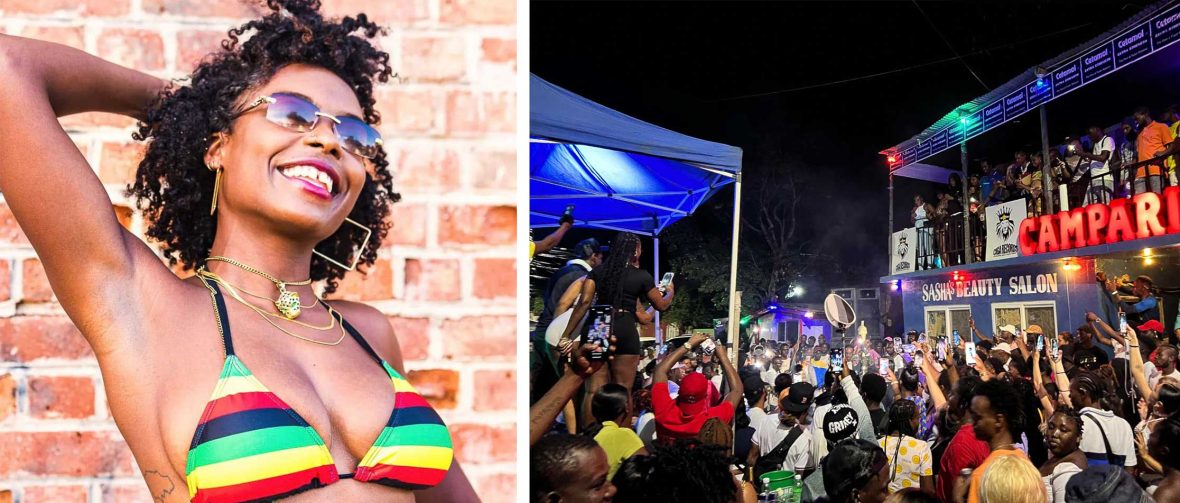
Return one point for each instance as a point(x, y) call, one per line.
point(1009, 328)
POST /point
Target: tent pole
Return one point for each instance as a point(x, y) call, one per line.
point(655, 238)
point(734, 308)
point(1046, 179)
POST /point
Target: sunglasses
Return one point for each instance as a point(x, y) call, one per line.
point(298, 114)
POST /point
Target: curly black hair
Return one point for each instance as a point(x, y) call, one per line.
point(687, 471)
point(172, 184)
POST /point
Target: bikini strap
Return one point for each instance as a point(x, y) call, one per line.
point(352, 331)
point(222, 315)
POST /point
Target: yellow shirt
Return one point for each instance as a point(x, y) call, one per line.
point(532, 250)
point(619, 444)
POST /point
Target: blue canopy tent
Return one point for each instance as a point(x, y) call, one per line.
point(621, 173)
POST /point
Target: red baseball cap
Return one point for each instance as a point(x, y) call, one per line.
point(1152, 325)
point(693, 395)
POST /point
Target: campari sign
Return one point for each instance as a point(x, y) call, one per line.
point(1143, 216)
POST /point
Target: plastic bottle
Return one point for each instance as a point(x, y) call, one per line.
point(797, 491)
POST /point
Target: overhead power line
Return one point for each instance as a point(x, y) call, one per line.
point(899, 70)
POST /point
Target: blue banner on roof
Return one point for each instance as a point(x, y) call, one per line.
point(923, 150)
point(954, 135)
point(1067, 78)
point(1165, 28)
point(1131, 46)
point(1015, 104)
point(975, 124)
point(1148, 31)
point(908, 154)
point(993, 115)
point(1039, 91)
point(938, 141)
point(1097, 63)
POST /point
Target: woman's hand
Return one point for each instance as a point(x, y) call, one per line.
point(1142, 407)
point(696, 340)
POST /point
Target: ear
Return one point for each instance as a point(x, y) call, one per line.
point(213, 154)
point(553, 497)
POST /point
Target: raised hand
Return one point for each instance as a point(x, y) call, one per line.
point(582, 365)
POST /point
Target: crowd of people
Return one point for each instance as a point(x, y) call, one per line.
point(1134, 156)
point(1013, 416)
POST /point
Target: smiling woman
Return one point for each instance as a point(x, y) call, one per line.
point(264, 175)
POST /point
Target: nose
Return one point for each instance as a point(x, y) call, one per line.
point(323, 137)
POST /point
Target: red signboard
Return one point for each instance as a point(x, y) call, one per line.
point(1143, 216)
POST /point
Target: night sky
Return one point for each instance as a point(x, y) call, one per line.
point(689, 66)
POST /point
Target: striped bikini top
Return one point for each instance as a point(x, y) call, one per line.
point(251, 446)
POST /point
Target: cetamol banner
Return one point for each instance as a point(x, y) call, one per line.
point(905, 249)
point(1002, 221)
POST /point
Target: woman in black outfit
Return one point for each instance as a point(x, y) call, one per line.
point(621, 283)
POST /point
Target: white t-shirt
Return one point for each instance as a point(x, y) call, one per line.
point(756, 415)
point(1055, 482)
point(1155, 377)
point(1118, 433)
point(1097, 167)
point(771, 431)
point(910, 461)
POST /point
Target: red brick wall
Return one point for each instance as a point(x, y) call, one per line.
point(446, 279)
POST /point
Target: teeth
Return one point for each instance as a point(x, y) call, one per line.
point(310, 174)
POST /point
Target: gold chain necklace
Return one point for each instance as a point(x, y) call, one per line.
point(263, 297)
point(288, 303)
point(266, 316)
point(233, 292)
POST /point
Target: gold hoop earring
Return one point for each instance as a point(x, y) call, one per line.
point(357, 258)
point(216, 188)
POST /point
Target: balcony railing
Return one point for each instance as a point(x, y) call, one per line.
point(941, 241)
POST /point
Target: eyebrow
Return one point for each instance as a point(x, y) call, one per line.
point(309, 100)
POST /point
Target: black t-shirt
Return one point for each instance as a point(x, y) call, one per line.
point(634, 284)
point(1089, 358)
point(879, 420)
point(554, 289)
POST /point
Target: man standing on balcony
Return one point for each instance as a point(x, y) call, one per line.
point(1154, 140)
point(1101, 181)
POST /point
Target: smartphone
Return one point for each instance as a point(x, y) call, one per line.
point(569, 211)
point(1054, 348)
point(883, 367)
point(598, 331)
point(666, 280)
point(908, 349)
point(970, 353)
point(708, 347)
point(957, 339)
point(836, 359)
point(1122, 322)
point(1040, 343)
point(942, 350)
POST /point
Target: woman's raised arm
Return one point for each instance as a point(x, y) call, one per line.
point(55, 196)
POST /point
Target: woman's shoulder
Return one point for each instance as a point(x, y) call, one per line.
point(374, 326)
